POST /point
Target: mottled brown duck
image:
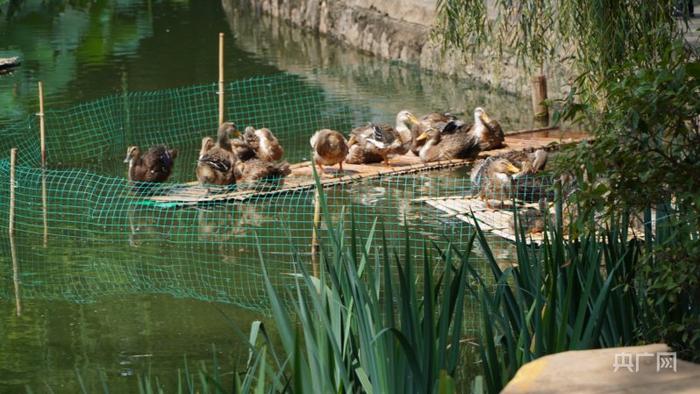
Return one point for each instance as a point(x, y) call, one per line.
point(378, 142)
point(155, 165)
point(329, 147)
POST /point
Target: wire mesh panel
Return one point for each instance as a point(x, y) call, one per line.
point(104, 239)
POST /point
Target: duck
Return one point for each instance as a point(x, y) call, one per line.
point(487, 130)
point(377, 142)
point(262, 172)
point(492, 178)
point(155, 165)
point(526, 185)
point(461, 140)
point(264, 143)
point(242, 148)
point(454, 141)
point(216, 164)
point(432, 120)
point(330, 148)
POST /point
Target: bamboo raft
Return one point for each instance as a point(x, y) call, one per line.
point(302, 178)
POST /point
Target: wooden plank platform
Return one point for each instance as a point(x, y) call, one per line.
point(496, 221)
point(500, 221)
point(8, 63)
point(301, 177)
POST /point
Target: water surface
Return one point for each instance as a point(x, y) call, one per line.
point(142, 287)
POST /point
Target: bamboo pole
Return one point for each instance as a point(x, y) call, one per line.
point(539, 95)
point(221, 78)
point(42, 138)
point(13, 161)
point(314, 234)
point(42, 127)
point(11, 229)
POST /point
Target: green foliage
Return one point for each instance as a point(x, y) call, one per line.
point(647, 144)
point(637, 91)
point(646, 154)
point(351, 336)
point(558, 298)
point(593, 35)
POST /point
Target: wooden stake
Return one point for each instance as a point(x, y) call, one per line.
point(13, 161)
point(221, 78)
point(539, 95)
point(43, 207)
point(42, 130)
point(11, 227)
point(314, 234)
point(42, 140)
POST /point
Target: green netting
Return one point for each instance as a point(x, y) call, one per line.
point(104, 240)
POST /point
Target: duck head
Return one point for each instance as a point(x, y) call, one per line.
point(430, 134)
point(503, 169)
point(228, 130)
point(207, 143)
point(249, 135)
point(404, 121)
point(480, 116)
point(132, 153)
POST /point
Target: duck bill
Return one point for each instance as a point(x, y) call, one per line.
point(422, 137)
point(127, 159)
point(236, 133)
point(485, 118)
point(412, 118)
point(352, 140)
point(512, 169)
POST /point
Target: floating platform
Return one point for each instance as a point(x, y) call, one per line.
point(8, 63)
point(499, 221)
point(496, 221)
point(302, 178)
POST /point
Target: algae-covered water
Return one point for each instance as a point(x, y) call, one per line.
point(135, 294)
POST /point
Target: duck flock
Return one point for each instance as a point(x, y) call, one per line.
point(255, 156)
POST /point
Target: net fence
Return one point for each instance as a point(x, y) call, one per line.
point(105, 240)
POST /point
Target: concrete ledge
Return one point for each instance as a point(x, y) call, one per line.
point(593, 371)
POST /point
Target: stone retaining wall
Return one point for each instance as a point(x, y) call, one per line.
point(398, 30)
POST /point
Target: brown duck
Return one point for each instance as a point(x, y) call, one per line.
point(431, 121)
point(155, 165)
point(330, 148)
point(493, 179)
point(264, 143)
point(261, 172)
point(216, 163)
point(378, 142)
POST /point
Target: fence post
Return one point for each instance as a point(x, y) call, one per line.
point(221, 78)
point(539, 95)
point(11, 229)
point(42, 142)
point(314, 234)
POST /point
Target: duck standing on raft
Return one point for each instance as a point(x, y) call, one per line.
point(216, 163)
point(330, 148)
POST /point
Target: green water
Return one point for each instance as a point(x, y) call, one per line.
point(136, 289)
